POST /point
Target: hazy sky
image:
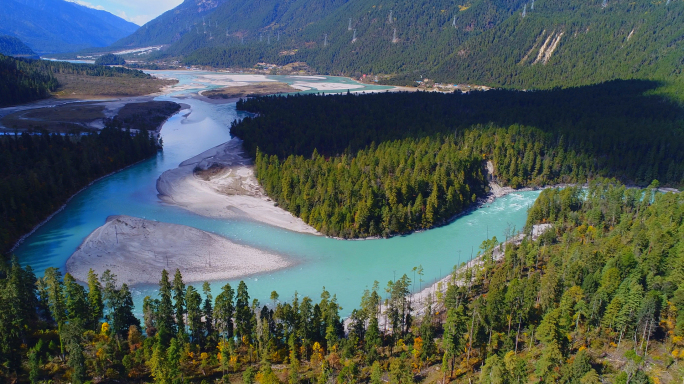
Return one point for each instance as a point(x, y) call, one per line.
point(136, 11)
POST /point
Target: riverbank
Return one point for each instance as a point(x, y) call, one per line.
point(220, 183)
point(419, 300)
point(88, 115)
point(62, 206)
point(137, 250)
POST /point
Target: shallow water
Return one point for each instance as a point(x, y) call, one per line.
point(345, 268)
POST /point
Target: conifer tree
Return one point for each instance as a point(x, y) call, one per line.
point(75, 301)
point(194, 301)
point(207, 310)
point(122, 317)
point(224, 311)
point(243, 313)
point(179, 300)
point(53, 283)
point(165, 322)
point(95, 302)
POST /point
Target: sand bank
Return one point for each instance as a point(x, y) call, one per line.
point(220, 183)
point(248, 90)
point(324, 86)
point(137, 250)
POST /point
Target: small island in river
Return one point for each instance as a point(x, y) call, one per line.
point(250, 90)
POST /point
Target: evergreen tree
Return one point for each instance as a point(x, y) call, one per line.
point(207, 310)
point(122, 317)
point(165, 321)
point(179, 300)
point(224, 311)
point(243, 313)
point(194, 301)
point(95, 302)
point(75, 301)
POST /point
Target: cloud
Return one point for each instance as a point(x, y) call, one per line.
point(135, 11)
point(87, 4)
point(141, 19)
point(140, 12)
point(136, 19)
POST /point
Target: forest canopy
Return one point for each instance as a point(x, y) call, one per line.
point(24, 80)
point(39, 172)
point(359, 165)
point(110, 59)
point(597, 297)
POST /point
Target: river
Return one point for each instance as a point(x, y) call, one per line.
point(344, 267)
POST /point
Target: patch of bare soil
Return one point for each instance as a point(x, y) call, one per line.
point(63, 118)
point(88, 87)
point(256, 89)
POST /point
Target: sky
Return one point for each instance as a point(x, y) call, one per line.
point(135, 11)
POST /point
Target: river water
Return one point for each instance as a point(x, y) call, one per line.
point(345, 268)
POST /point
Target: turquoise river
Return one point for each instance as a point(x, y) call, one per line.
point(344, 267)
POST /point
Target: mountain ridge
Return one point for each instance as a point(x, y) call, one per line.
point(57, 26)
point(490, 42)
point(11, 46)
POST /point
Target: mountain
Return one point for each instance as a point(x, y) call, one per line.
point(11, 46)
point(53, 26)
point(514, 43)
point(171, 25)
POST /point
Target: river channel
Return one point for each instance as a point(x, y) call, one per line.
point(344, 267)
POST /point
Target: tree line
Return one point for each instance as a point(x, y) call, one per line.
point(40, 171)
point(110, 59)
point(24, 80)
point(382, 164)
point(21, 82)
point(598, 296)
point(396, 187)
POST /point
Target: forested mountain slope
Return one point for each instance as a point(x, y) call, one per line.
point(11, 46)
point(51, 26)
point(171, 25)
point(518, 43)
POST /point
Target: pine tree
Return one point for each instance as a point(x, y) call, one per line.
point(122, 317)
point(207, 310)
point(75, 301)
point(71, 334)
point(400, 371)
point(224, 311)
point(453, 339)
point(243, 314)
point(165, 322)
point(173, 357)
point(179, 300)
point(194, 301)
point(95, 302)
point(376, 374)
point(494, 371)
point(53, 282)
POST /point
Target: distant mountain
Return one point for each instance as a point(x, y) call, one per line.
point(171, 25)
point(516, 43)
point(53, 26)
point(11, 46)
